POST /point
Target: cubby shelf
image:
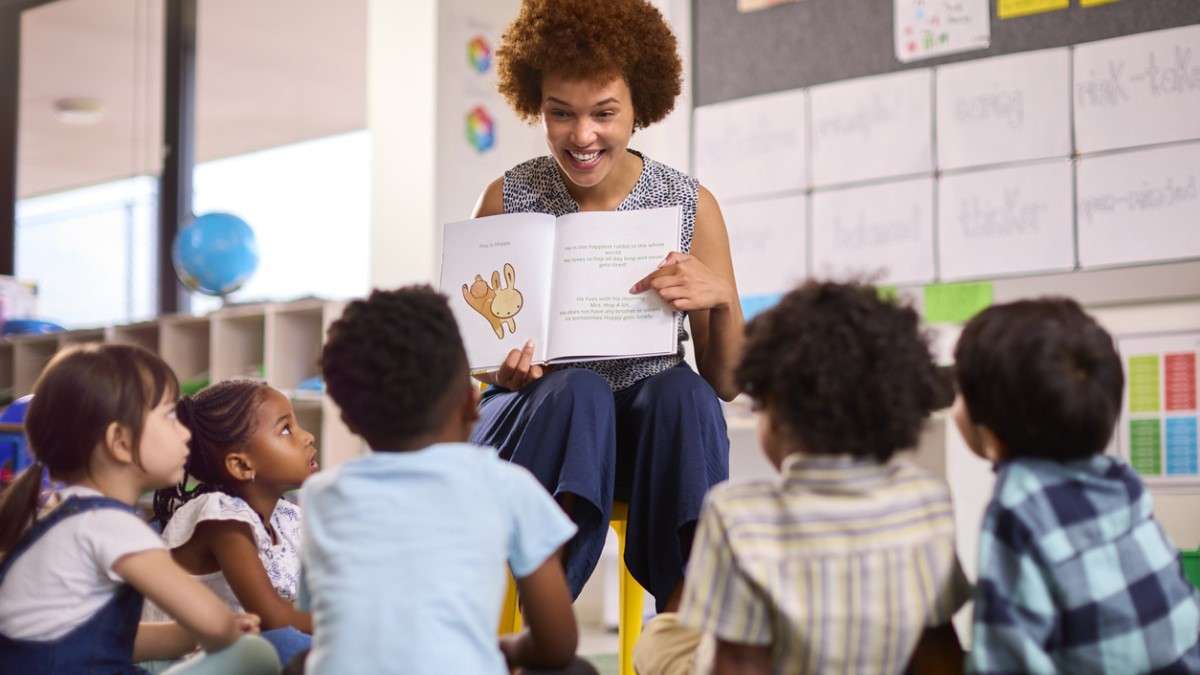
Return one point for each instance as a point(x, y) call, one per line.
point(279, 342)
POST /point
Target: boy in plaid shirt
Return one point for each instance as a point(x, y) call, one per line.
point(1075, 575)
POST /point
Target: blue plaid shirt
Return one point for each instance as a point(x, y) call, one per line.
point(1076, 576)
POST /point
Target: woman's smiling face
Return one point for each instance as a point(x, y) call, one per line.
point(588, 125)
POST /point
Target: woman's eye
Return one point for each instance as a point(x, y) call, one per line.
point(560, 114)
point(287, 430)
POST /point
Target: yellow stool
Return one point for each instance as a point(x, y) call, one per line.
point(632, 598)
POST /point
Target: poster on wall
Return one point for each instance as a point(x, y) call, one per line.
point(752, 146)
point(928, 28)
point(1157, 430)
point(479, 137)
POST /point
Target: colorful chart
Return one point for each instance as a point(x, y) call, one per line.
point(1158, 432)
point(479, 54)
point(481, 130)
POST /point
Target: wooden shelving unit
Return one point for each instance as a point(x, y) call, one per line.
point(281, 342)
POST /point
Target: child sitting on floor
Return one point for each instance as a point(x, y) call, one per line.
point(1075, 575)
point(846, 562)
point(232, 529)
point(405, 549)
point(72, 579)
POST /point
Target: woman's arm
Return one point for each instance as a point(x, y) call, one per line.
point(702, 285)
point(209, 620)
point(552, 636)
point(233, 547)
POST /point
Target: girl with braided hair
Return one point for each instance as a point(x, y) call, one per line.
point(226, 522)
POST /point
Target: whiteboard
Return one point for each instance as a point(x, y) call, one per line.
point(883, 232)
point(1006, 221)
point(1004, 109)
point(767, 240)
point(872, 127)
point(1138, 90)
point(752, 146)
point(1139, 206)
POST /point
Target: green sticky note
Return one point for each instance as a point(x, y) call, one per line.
point(956, 303)
point(1143, 383)
point(1145, 447)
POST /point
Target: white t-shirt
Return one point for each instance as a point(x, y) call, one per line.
point(66, 576)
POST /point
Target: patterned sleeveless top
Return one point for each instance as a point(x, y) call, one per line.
point(536, 187)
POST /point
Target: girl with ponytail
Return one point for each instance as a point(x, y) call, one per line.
point(226, 521)
point(72, 579)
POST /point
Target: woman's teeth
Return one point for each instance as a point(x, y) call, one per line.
point(584, 157)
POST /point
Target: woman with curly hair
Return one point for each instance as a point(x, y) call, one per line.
point(646, 431)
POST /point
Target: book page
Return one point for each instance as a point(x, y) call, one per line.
point(496, 272)
point(598, 257)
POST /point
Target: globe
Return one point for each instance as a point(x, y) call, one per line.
point(215, 254)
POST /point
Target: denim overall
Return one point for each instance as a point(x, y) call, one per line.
point(102, 645)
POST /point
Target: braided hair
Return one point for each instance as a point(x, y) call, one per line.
point(221, 419)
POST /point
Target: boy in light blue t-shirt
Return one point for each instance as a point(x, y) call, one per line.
point(404, 549)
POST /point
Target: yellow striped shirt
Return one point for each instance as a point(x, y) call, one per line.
point(838, 565)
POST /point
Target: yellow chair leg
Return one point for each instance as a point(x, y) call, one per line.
point(632, 599)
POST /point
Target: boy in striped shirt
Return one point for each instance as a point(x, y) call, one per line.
point(846, 562)
point(1075, 574)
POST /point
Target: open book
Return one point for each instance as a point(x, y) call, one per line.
point(562, 282)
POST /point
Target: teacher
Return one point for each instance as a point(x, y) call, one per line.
point(646, 431)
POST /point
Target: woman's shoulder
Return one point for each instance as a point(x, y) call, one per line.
point(668, 183)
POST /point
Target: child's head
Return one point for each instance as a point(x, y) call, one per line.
point(243, 432)
point(99, 409)
point(837, 370)
point(395, 365)
point(1037, 378)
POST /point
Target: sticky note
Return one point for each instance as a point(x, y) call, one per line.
point(1008, 9)
point(956, 303)
point(1095, 3)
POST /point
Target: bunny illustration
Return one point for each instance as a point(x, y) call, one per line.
point(495, 304)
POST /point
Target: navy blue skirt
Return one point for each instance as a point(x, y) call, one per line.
point(658, 445)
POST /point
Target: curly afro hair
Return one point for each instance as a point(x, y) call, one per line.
point(1043, 376)
point(841, 370)
point(390, 362)
point(590, 39)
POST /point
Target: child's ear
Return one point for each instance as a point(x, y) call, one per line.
point(118, 442)
point(239, 466)
point(470, 407)
point(994, 449)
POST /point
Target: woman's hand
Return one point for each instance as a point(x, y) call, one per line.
point(687, 284)
point(518, 369)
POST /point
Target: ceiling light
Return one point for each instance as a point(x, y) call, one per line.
point(78, 111)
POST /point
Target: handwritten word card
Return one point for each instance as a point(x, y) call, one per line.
point(1138, 90)
point(1004, 109)
point(883, 232)
point(1157, 432)
point(1006, 221)
point(752, 146)
point(767, 240)
point(1139, 206)
point(872, 127)
point(928, 28)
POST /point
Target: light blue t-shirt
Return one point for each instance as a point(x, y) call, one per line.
point(404, 558)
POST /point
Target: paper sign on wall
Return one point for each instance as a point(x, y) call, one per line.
point(872, 127)
point(882, 232)
point(1139, 206)
point(1006, 221)
point(1004, 109)
point(767, 240)
point(752, 146)
point(1138, 90)
point(927, 29)
point(1157, 433)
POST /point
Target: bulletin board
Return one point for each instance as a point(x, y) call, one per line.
point(842, 139)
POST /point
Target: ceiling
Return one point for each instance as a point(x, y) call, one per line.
point(268, 73)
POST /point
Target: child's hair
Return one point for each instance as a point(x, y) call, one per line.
point(1043, 376)
point(390, 361)
point(221, 419)
point(841, 370)
point(82, 391)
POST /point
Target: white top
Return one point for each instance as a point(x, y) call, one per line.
point(280, 559)
point(66, 576)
